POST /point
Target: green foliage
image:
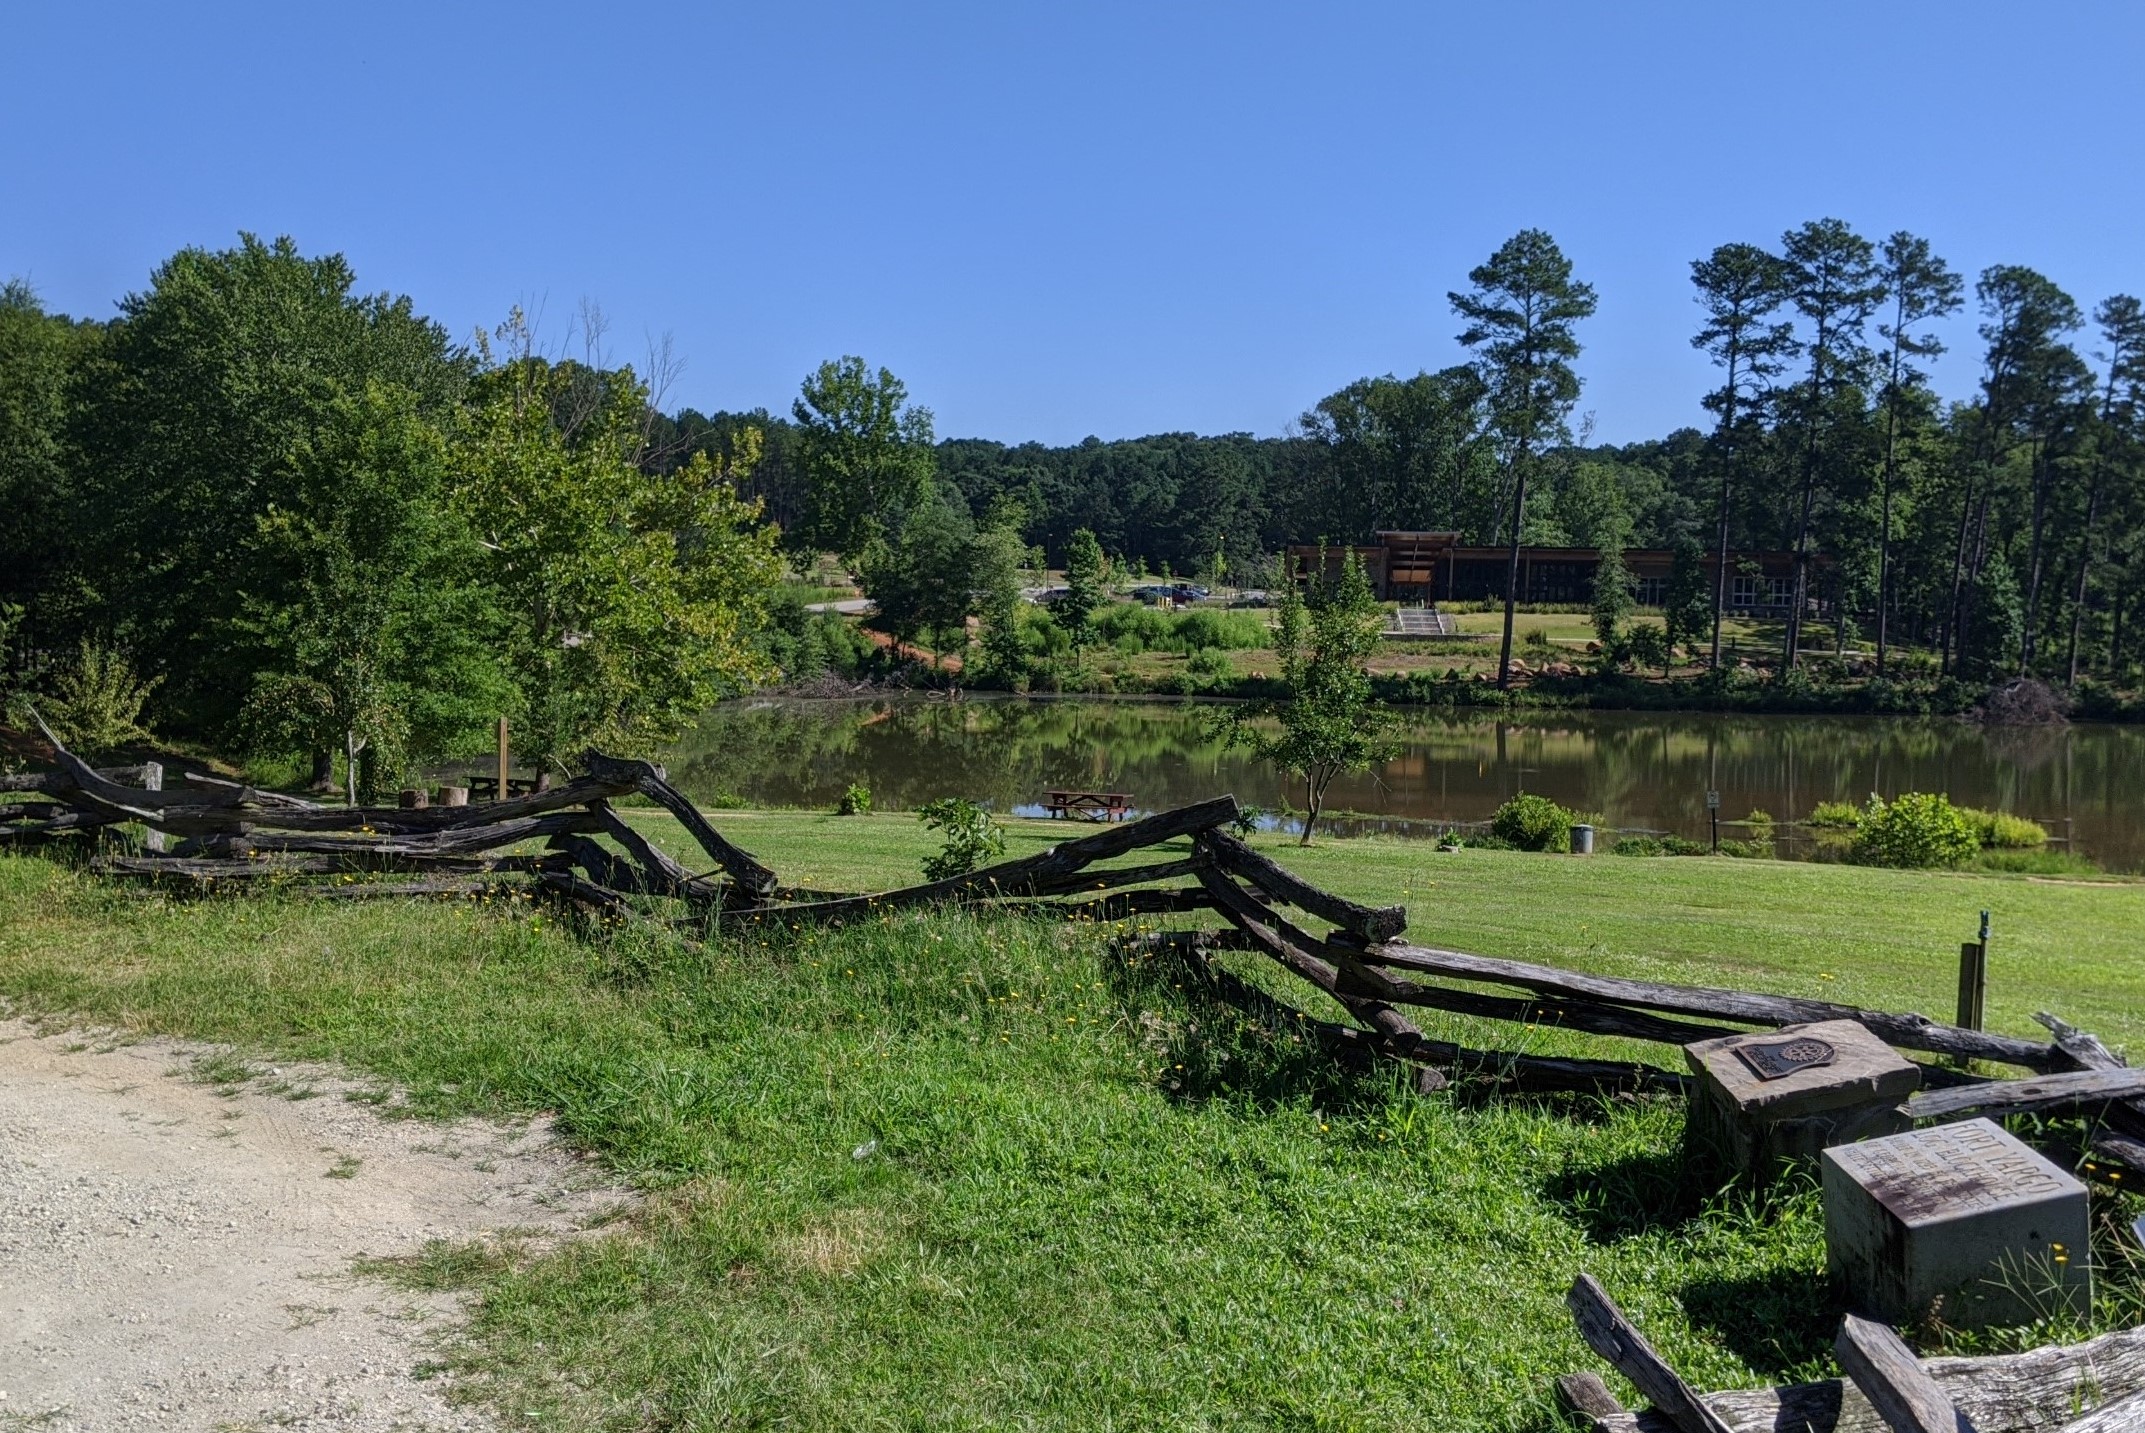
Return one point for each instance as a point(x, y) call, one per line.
point(865, 455)
point(1134, 627)
point(1533, 823)
point(1537, 641)
point(1648, 644)
point(1330, 721)
point(855, 801)
point(1835, 815)
point(1613, 600)
point(630, 600)
point(1687, 604)
point(972, 837)
point(1086, 574)
point(2002, 830)
point(1210, 663)
point(1659, 846)
point(94, 701)
point(1247, 818)
point(1917, 829)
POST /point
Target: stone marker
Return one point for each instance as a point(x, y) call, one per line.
point(1786, 1094)
point(1962, 1213)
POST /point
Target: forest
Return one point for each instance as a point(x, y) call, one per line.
point(268, 509)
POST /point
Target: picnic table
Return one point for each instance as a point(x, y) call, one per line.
point(486, 788)
point(1088, 805)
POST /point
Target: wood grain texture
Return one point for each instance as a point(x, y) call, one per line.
point(1893, 1380)
point(1606, 1331)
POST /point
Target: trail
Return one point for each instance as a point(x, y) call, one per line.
point(178, 1255)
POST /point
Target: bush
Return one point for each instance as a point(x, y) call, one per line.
point(1212, 663)
point(1247, 818)
point(1919, 829)
point(1836, 815)
point(2003, 831)
point(1533, 823)
point(972, 837)
point(1204, 627)
point(1537, 639)
point(856, 800)
point(1658, 846)
point(94, 702)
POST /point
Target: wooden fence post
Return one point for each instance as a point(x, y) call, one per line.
point(502, 761)
point(1974, 978)
point(153, 780)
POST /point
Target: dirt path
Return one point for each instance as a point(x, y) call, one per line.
point(177, 1255)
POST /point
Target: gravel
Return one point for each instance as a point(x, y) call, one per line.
point(176, 1254)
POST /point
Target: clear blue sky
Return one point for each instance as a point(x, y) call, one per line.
point(1060, 220)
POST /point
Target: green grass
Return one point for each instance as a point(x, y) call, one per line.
point(938, 1172)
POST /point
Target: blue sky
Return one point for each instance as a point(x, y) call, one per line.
point(1055, 221)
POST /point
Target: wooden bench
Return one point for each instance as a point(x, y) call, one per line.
point(1088, 805)
point(486, 788)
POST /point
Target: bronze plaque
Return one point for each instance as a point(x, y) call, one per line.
point(1781, 1058)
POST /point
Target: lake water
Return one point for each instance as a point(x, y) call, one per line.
point(1641, 771)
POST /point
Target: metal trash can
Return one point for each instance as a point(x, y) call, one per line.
point(1582, 840)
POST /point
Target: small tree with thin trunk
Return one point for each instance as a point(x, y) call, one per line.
point(1330, 722)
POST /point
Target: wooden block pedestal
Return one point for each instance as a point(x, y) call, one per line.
point(1743, 1123)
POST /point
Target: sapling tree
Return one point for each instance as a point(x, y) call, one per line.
point(1330, 722)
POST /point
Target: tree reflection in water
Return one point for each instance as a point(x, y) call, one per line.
point(1645, 771)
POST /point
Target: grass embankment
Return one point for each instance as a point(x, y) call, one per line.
point(942, 1173)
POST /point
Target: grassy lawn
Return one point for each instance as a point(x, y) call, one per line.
point(944, 1173)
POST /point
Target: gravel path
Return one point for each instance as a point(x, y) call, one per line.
point(177, 1255)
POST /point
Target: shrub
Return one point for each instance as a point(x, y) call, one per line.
point(1533, 823)
point(1210, 662)
point(1247, 818)
point(2003, 831)
point(1918, 829)
point(1637, 846)
point(1207, 627)
point(972, 837)
point(1537, 639)
point(94, 702)
point(1836, 815)
point(856, 800)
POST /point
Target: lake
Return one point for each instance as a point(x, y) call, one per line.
point(1641, 771)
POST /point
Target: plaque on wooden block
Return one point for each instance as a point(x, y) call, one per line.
point(1962, 1218)
point(1785, 1094)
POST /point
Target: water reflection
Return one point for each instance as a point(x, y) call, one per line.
point(1645, 771)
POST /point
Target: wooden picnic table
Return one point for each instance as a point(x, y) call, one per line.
point(486, 788)
point(1088, 805)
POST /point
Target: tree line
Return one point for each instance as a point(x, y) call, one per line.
point(314, 523)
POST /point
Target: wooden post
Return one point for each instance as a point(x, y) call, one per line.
point(153, 780)
point(1974, 978)
point(349, 767)
point(502, 760)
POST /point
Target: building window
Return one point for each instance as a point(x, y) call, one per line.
point(1742, 592)
point(1783, 591)
point(1653, 591)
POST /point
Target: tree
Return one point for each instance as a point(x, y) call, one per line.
point(227, 365)
point(1330, 722)
point(1689, 601)
point(1085, 575)
point(923, 581)
point(1522, 316)
point(41, 358)
point(865, 454)
point(631, 599)
point(1740, 287)
point(1919, 287)
point(995, 560)
point(1402, 453)
point(1831, 276)
point(370, 627)
point(1613, 602)
point(2122, 405)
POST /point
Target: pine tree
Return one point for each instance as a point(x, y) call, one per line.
point(1918, 287)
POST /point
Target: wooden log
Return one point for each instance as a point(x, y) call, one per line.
point(587, 894)
point(383, 890)
point(1292, 948)
point(253, 795)
point(1572, 1013)
point(1120, 905)
point(1371, 923)
point(2084, 1051)
point(1533, 1074)
point(653, 782)
point(203, 870)
point(2040, 1390)
point(33, 810)
point(452, 842)
point(1585, 1396)
point(1908, 1031)
point(2016, 1097)
point(1603, 1325)
point(661, 875)
point(1079, 882)
point(68, 819)
point(1029, 875)
point(603, 868)
point(2124, 1415)
point(1879, 1362)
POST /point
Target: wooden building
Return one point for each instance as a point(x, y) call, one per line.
point(1433, 567)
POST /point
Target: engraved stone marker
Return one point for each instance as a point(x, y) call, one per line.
point(1962, 1213)
point(1786, 1094)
